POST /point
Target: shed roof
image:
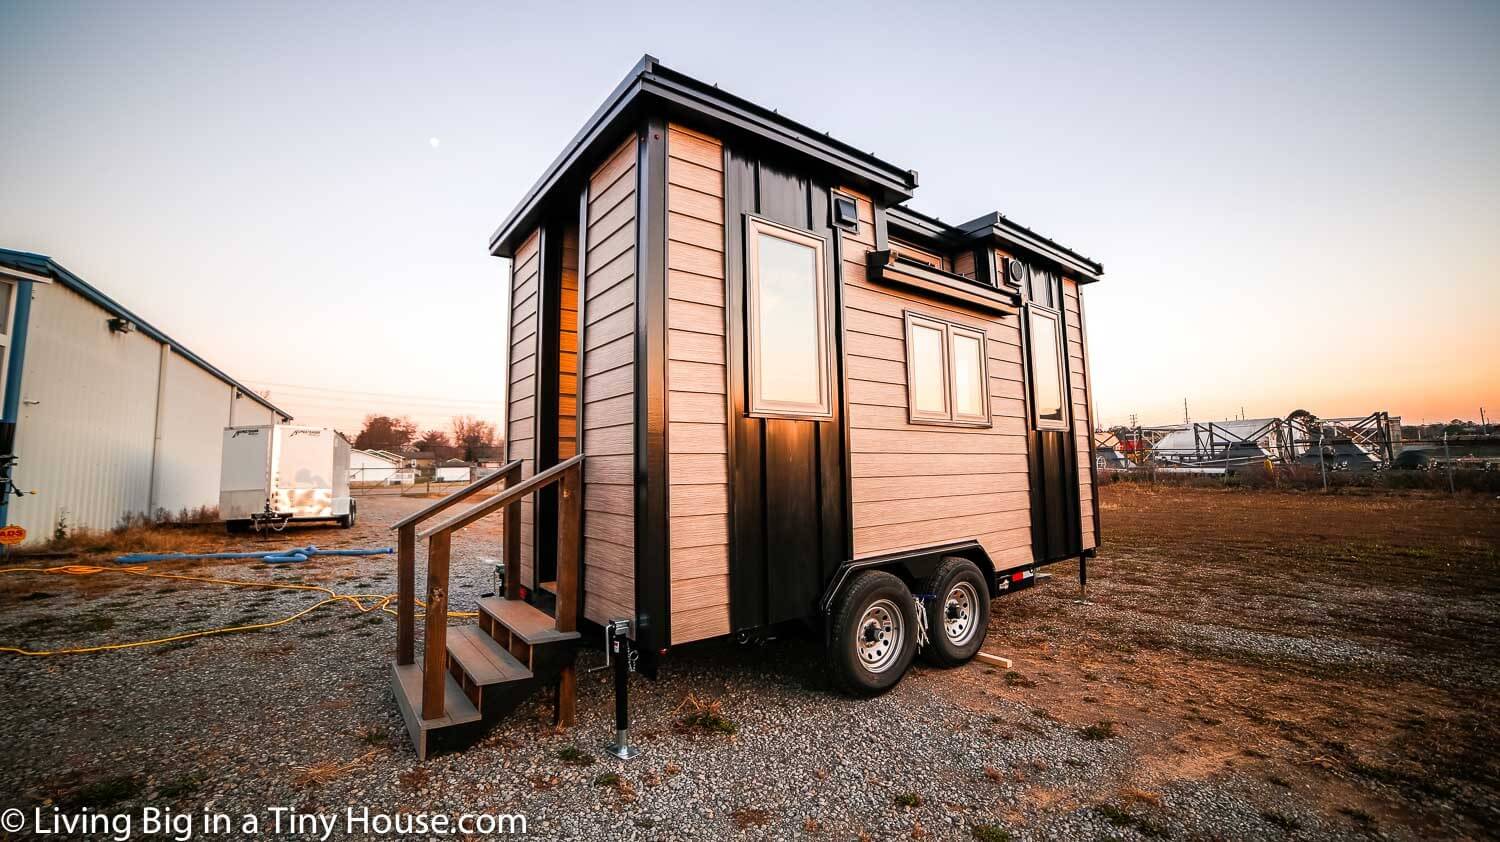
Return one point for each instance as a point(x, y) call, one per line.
point(41, 264)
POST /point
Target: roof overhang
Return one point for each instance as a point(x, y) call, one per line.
point(994, 229)
point(652, 87)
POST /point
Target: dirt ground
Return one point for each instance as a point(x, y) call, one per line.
point(1251, 664)
point(1343, 648)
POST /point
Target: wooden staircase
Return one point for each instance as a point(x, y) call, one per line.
point(470, 676)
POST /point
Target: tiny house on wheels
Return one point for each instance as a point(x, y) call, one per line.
point(749, 387)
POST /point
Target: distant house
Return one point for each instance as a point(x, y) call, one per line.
point(379, 467)
point(452, 470)
point(111, 417)
point(422, 460)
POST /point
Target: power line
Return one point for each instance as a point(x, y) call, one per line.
point(355, 392)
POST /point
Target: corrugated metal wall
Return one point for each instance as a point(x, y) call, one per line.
point(87, 424)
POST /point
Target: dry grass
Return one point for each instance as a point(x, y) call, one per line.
point(1343, 645)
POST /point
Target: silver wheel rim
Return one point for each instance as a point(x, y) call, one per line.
point(881, 631)
point(961, 613)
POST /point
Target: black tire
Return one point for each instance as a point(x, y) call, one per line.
point(347, 521)
point(236, 527)
point(857, 616)
point(961, 595)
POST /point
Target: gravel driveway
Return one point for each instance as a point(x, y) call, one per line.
point(301, 716)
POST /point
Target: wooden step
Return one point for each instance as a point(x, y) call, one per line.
point(458, 711)
point(549, 587)
point(525, 621)
point(482, 659)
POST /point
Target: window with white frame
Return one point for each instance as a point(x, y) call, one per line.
point(946, 372)
point(1049, 409)
point(788, 329)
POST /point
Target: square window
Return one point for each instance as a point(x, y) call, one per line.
point(947, 376)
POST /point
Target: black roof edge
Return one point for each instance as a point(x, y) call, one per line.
point(994, 226)
point(649, 78)
point(42, 264)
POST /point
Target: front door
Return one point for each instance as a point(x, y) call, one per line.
point(786, 393)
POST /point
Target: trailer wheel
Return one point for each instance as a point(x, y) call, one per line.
point(346, 521)
point(958, 615)
point(874, 633)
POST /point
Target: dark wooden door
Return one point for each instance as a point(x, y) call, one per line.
point(789, 520)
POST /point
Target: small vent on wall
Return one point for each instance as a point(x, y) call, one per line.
point(1015, 273)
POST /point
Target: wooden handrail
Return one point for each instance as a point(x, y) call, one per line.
point(569, 474)
point(504, 498)
point(456, 497)
point(406, 554)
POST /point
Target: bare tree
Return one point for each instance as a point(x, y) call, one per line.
point(471, 434)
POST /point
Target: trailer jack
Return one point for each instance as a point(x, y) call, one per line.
point(617, 647)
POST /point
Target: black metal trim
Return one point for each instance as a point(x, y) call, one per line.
point(545, 433)
point(653, 586)
point(884, 266)
point(846, 481)
point(903, 557)
point(995, 229)
point(650, 80)
point(578, 402)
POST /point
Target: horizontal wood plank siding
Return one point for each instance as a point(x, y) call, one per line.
point(567, 367)
point(608, 389)
point(698, 430)
point(915, 485)
point(1078, 368)
point(520, 393)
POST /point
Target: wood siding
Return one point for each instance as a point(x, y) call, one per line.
point(915, 485)
point(567, 362)
point(525, 278)
point(698, 431)
point(608, 389)
point(1078, 367)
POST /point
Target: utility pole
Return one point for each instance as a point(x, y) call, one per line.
point(1185, 420)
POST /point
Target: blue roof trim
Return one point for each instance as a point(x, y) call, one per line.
point(41, 264)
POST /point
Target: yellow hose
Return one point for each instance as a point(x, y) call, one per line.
point(380, 602)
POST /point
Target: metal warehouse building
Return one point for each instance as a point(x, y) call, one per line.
point(113, 417)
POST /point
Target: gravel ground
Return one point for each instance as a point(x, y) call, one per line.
point(301, 717)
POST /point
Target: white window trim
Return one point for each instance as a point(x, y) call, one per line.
point(757, 405)
point(1055, 316)
point(949, 417)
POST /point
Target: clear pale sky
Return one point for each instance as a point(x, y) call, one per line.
point(1297, 205)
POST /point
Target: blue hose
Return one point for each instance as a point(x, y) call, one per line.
point(291, 556)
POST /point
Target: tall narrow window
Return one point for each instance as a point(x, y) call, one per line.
point(946, 373)
point(7, 315)
point(788, 328)
point(1048, 407)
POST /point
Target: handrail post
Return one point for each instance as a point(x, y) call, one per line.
point(569, 540)
point(569, 513)
point(512, 527)
point(435, 626)
point(406, 594)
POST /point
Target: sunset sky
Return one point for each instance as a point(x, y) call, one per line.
point(1297, 205)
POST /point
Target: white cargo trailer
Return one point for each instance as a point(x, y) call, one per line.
point(275, 474)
